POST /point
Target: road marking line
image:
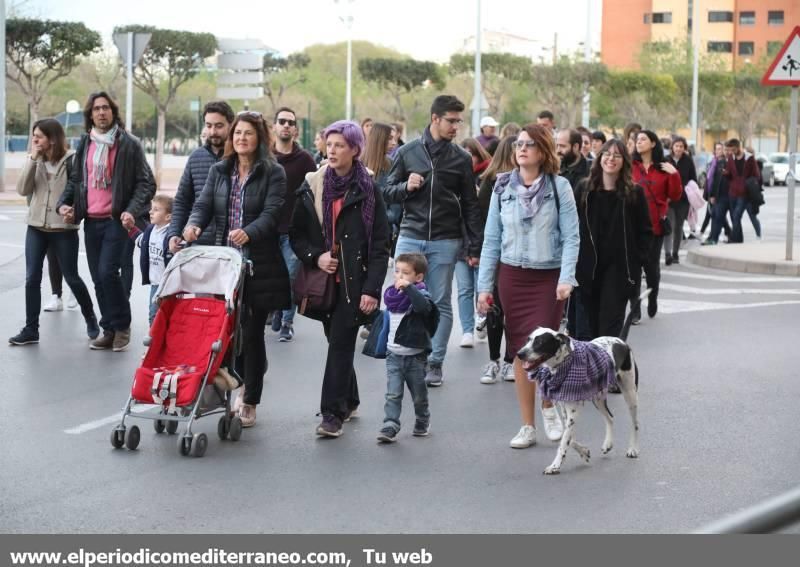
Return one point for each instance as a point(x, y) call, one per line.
point(675, 306)
point(744, 291)
point(98, 423)
point(734, 279)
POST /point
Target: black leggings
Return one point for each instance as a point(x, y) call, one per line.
point(495, 328)
point(339, 385)
point(652, 272)
point(604, 305)
point(251, 364)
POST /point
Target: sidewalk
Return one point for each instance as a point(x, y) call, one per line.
point(751, 258)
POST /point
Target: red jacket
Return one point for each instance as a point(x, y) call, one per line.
point(660, 188)
point(736, 186)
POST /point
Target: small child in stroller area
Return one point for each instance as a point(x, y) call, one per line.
point(154, 245)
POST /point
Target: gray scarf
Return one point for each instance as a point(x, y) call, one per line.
point(103, 144)
point(529, 198)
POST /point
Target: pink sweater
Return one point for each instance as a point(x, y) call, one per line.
point(99, 200)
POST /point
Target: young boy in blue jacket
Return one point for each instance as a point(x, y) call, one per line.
point(402, 334)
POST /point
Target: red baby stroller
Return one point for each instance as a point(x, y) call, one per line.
point(193, 335)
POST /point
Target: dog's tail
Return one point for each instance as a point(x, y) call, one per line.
point(635, 308)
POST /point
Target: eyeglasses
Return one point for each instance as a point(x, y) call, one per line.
point(101, 108)
point(610, 155)
point(453, 121)
point(285, 121)
point(519, 144)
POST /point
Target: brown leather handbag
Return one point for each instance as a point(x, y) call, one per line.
point(315, 290)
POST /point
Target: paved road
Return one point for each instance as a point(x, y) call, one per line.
point(718, 409)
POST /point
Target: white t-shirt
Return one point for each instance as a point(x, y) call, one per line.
point(156, 252)
point(394, 323)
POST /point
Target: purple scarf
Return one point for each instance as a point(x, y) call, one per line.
point(398, 302)
point(335, 187)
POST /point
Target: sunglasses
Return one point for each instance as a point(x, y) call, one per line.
point(285, 121)
point(519, 144)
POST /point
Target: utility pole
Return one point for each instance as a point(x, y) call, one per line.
point(476, 94)
point(587, 57)
point(3, 96)
point(695, 75)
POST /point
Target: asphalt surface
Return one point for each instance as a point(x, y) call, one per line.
point(719, 429)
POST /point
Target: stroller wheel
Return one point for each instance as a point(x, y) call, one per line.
point(172, 427)
point(117, 438)
point(223, 427)
point(236, 428)
point(199, 445)
point(184, 445)
point(159, 426)
point(132, 438)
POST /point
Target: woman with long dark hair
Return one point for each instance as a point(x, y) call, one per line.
point(43, 179)
point(679, 210)
point(339, 226)
point(662, 184)
point(615, 233)
point(243, 195)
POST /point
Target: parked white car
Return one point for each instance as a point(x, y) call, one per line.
point(780, 165)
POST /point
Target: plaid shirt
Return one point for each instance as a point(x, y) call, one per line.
point(584, 376)
point(236, 204)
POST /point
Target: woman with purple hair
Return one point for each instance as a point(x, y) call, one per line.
point(339, 226)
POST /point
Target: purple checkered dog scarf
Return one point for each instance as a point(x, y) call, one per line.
point(585, 375)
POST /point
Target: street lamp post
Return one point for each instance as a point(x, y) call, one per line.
point(476, 95)
point(587, 56)
point(347, 19)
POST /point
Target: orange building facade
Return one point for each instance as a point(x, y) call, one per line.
point(741, 32)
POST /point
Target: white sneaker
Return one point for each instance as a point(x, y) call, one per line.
point(72, 303)
point(55, 304)
point(467, 340)
point(507, 372)
point(480, 327)
point(525, 438)
point(490, 372)
point(553, 427)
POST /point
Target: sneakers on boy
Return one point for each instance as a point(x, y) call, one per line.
point(121, 340)
point(331, 426)
point(287, 333)
point(387, 435)
point(55, 304)
point(553, 427)
point(525, 438)
point(25, 337)
point(467, 340)
point(104, 342)
point(434, 377)
point(421, 428)
point(507, 371)
point(490, 372)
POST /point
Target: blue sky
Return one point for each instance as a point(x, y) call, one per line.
point(424, 29)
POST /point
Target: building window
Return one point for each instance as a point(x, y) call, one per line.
point(773, 47)
point(746, 48)
point(662, 17)
point(775, 17)
point(747, 18)
point(716, 16)
point(720, 47)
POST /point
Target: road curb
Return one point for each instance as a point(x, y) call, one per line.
point(742, 263)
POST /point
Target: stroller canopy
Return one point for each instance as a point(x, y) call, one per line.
point(203, 270)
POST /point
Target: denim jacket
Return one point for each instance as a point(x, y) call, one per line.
point(547, 241)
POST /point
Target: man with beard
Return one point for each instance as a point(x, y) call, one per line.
point(218, 117)
point(296, 162)
point(573, 165)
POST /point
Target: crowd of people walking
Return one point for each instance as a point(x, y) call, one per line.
point(539, 225)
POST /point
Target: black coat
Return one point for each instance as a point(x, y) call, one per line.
point(191, 185)
point(631, 236)
point(132, 182)
point(265, 189)
point(361, 269)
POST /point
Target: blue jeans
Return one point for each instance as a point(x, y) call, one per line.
point(441, 256)
point(466, 278)
point(65, 246)
point(719, 211)
point(293, 265)
point(402, 370)
point(106, 242)
point(153, 306)
point(738, 207)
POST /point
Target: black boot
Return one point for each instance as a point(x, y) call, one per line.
point(652, 305)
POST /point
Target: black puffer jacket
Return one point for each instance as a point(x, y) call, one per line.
point(265, 189)
point(446, 205)
point(191, 185)
point(362, 268)
point(132, 182)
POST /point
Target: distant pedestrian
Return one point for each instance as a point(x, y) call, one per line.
point(43, 179)
point(319, 143)
point(110, 186)
point(679, 209)
point(629, 135)
point(433, 178)
point(740, 168)
point(366, 126)
point(714, 170)
point(598, 139)
point(154, 247)
point(586, 143)
point(488, 131)
point(574, 166)
point(546, 119)
point(510, 129)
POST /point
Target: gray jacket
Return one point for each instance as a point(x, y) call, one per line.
point(43, 193)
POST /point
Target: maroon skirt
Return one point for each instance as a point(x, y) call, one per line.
point(529, 301)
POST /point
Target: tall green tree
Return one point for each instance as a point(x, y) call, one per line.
point(633, 96)
point(172, 57)
point(399, 76)
point(560, 87)
point(500, 73)
point(39, 52)
point(282, 74)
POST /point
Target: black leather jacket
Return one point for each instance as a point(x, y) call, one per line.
point(446, 206)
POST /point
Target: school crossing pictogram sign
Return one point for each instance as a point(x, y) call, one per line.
point(785, 69)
